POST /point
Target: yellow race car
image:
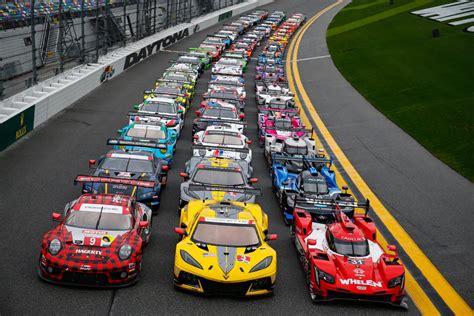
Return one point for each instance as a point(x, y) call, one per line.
point(224, 249)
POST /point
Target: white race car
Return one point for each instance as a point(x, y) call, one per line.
point(186, 68)
point(227, 87)
point(161, 109)
point(267, 92)
point(228, 66)
point(222, 141)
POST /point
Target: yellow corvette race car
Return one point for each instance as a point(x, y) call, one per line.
point(224, 249)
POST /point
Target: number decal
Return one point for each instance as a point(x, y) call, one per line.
point(92, 241)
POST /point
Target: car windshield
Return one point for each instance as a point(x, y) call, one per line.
point(277, 105)
point(230, 62)
point(218, 177)
point(296, 150)
point(222, 94)
point(127, 165)
point(177, 77)
point(167, 90)
point(351, 248)
point(283, 124)
point(220, 113)
point(190, 60)
point(224, 139)
point(147, 133)
point(230, 235)
point(159, 107)
point(315, 186)
point(99, 220)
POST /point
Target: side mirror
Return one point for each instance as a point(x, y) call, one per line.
point(136, 107)
point(253, 180)
point(143, 224)
point(392, 248)
point(271, 237)
point(248, 142)
point(119, 131)
point(241, 116)
point(56, 217)
point(165, 168)
point(92, 162)
point(196, 137)
point(180, 231)
point(184, 175)
point(198, 113)
point(180, 111)
point(285, 183)
point(311, 242)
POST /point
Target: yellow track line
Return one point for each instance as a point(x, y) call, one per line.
point(431, 273)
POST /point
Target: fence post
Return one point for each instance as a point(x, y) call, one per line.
point(96, 30)
point(60, 47)
point(83, 39)
point(138, 19)
point(124, 23)
point(106, 26)
point(33, 41)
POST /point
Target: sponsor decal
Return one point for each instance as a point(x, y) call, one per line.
point(208, 254)
point(88, 252)
point(92, 241)
point(107, 73)
point(101, 208)
point(94, 232)
point(225, 16)
point(154, 47)
point(131, 267)
point(360, 282)
point(244, 259)
point(359, 272)
point(85, 267)
point(356, 261)
point(16, 127)
point(361, 288)
point(459, 13)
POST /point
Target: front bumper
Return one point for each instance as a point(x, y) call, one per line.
point(61, 274)
point(198, 284)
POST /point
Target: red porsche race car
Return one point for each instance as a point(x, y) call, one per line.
point(99, 240)
point(341, 256)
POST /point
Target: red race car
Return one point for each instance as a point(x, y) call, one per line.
point(99, 241)
point(341, 256)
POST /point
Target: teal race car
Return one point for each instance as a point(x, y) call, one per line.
point(156, 133)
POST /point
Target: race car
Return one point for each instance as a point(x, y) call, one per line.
point(281, 127)
point(270, 72)
point(246, 47)
point(160, 109)
point(229, 67)
point(227, 95)
point(224, 249)
point(204, 56)
point(184, 89)
point(212, 50)
point(342, 259)
point(239, 55)
point(132, 165)
point(274, 92)
point(227, 80)
point(216, 172)
point(188, 69)
point(262, 86)
point(232, 35)
point(194, 62)
point(227, 39)
point(155, 133)
point(229, 88)
point(99, 239)
point(222, 141)
point(220, 43)
point(218, 112)
point(304, 178)
point(292, 146)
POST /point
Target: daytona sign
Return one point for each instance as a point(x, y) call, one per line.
point(154, 47)
point(462, 12)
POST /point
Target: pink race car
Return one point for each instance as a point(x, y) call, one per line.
point(280, 126)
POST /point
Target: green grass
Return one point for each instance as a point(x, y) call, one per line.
point(423, 84)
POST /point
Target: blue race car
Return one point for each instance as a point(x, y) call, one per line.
point(132, 165)
point(302, 178)
point(155, 132)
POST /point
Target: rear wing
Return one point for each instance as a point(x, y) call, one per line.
point(96, 179)
point(173, 81)
point(230, 100)
point(210, 147)
point(263, 108)
point(135, 143)
point(164, 95)
point(186, 71)
point(223, 121)
point(235, 84)
point(212, 188)
point(306, 160)
point(333, 204)
point(157, 115)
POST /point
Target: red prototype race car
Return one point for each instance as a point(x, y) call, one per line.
point(342, 258)
point(99, 241)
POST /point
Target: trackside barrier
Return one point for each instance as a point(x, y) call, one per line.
point(23, 112)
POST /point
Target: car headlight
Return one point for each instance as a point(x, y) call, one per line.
point(321, 275)
point(396, 281)
point(54, 246)
point(164, 151)
point(190, 260)
point(125, 251)
point(265, 263)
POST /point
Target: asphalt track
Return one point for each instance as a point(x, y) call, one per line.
point(37, 175)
